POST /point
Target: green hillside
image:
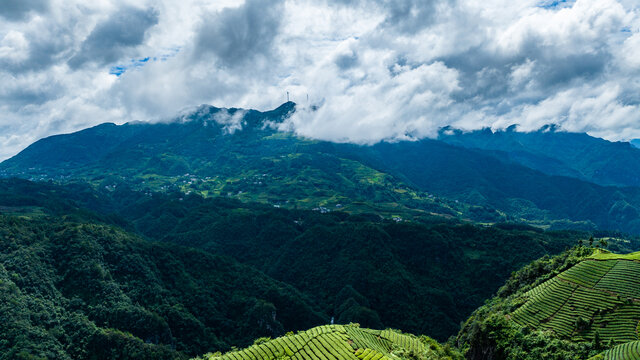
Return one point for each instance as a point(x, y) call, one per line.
point(72, 290)
point(342, 342)
point(571, 306)
point(626, 351)
point(257, 163)
point(556, 152)
point(601, 294)
point(362, 264)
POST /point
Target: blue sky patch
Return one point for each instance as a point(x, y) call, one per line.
point(120, 69)
point(556, 4)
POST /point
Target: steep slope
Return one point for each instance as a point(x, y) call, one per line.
point(345, 342)
point(556, 152)
point(478, 178)
point(601, 294)
point(571, 306)
point(102, 145)
point(421, 277)
point(73, 290)
point(626, 351)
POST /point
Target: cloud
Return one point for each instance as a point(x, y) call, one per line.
point(394, 101)
point(14, 10)
point(111, 39)
point(372, 69)
point(237, 35)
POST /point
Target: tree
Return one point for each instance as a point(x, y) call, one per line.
point(596, 341)
point(603, 243)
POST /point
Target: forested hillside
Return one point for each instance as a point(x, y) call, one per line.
point(366, 234)
point(72, 290)
point(366, 269)
point(400, 274)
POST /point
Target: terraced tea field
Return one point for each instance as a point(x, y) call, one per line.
point(329, 342)
point(600, 294)
point(627, 351)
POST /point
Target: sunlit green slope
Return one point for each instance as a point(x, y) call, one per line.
point(627, 351)
point(342, 342)
point(572, 306)
point(601, 294)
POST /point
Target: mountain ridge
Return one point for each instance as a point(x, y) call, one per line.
point(260, 163)
point(572, 154)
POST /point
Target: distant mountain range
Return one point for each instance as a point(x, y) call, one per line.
point(556, 152)
point(547, 178)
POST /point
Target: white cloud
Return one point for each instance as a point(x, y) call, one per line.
point(14, 47)
point(377, 69)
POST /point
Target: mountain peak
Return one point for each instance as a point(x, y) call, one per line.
point(239, 117)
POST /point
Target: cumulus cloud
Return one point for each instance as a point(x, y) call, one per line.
point(372, 69)
point(110, 40)
point(19, 9)
point(238, 35)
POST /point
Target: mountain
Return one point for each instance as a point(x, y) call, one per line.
point(173, 239)
point(348, 342)
point(421, 276)
point(240, 154)
point(199, 153)
point(571, 306)
point(72, 290)
point(635, 143)
point(449, 268)
point(556, 152)
point(521, 192)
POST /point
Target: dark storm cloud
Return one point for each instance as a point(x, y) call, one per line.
point(486, 74)
point(43, 50)
point(110, 40)
point(20, 9)
point(237, 35)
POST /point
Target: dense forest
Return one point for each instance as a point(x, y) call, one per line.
point(83, 291)
point(420, 277)
point(131, 277)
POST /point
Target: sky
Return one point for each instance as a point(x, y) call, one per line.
point(374, 70)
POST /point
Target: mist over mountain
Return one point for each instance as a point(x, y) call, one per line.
point(550, 178)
